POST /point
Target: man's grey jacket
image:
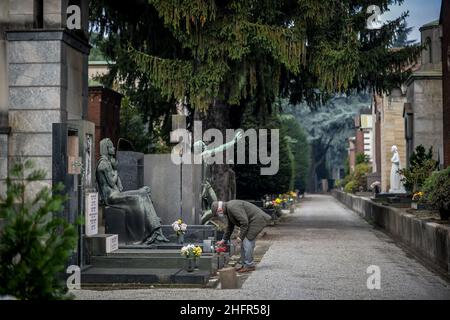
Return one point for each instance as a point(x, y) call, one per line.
point(248, 217)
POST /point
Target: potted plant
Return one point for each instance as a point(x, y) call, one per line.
point(180, 228)
point(375, 187)
point(417, 201)
point(277, 204)
point(292, 197)
point(421, 166)
point(437, 192)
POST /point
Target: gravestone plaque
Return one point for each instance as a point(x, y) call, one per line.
point(91, 214)
point(112, 243)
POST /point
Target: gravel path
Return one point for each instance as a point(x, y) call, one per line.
point(322, 251)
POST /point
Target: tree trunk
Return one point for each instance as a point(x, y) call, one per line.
point(318, 153)
point(312, 172)
point(223, 181)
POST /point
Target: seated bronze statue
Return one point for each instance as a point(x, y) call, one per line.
point(142, 224)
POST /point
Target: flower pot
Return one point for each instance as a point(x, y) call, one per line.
point(189, 264)
point(445, 213)
point(196, 263)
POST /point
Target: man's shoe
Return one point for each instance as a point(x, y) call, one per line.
point(246, 269)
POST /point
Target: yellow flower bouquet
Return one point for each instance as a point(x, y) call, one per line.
point(418, 196)
point(191, 251)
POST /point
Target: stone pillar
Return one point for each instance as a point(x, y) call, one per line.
point(351, 154)
point(376, 137)
point(46, 85)
point(55, 14)
point(22, 12)
point(424, 93)
point(4, 126)
point(446, 79)
point(359, 136)
point(3, 159)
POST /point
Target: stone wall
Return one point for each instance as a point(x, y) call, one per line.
point(429, 240)
point(425, 96)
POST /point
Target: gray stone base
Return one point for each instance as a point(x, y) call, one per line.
point(150, 266)
point(115, 223)
point(386, 195)
point(143, 276)
point(97, 245)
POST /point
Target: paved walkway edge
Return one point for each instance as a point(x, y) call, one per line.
point(428, 240)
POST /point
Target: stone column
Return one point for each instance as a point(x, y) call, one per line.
point(21, 12)
point(4, 126)
point(46, 85)
point(446, 80)
point(55, 14)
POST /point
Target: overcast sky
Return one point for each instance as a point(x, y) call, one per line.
point(420, 13)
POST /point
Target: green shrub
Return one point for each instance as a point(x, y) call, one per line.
point(421, 165)
point(34, 244)
point(351, 187)
point(357, 180)
point(250, 184)
point(437, 190)
point(362, 158)
point(360, 175)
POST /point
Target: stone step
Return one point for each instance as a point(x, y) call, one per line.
point(385, 195)
point(399, 200)
point(160, 246)
point(148, 253)
point(207, 263)
point(96, 275)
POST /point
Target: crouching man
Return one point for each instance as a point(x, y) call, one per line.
point(250, 219)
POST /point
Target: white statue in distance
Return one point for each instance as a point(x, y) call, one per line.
point(396, 183)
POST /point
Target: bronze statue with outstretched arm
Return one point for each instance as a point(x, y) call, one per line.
point(208, 193)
